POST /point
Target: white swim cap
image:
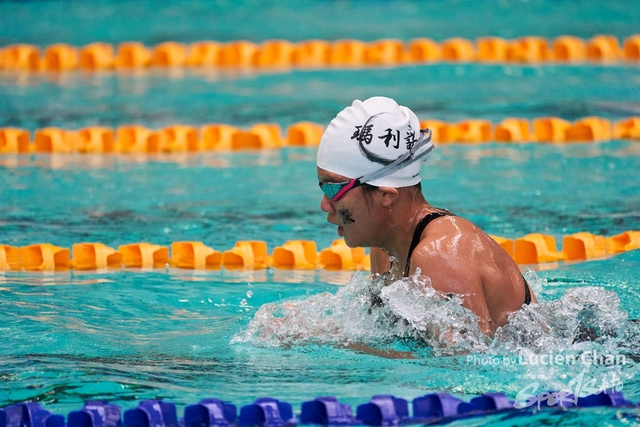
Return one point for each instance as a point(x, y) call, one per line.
point(368, 136)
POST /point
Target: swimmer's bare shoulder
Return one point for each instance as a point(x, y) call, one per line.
point(451, 244)
point(458, 257)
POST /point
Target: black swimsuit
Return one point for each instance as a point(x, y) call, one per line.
point(417, 234)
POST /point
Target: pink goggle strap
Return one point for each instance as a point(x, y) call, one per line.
point(344, 189)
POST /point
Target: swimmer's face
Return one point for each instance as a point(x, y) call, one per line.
point(350, 213)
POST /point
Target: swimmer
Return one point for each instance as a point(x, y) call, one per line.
point(369, 170)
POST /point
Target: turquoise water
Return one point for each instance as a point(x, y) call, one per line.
point(507, 190)
point(180, 335)
point(127, 335)
point(79, 23)
point(442, 91)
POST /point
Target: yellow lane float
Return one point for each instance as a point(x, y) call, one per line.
point(224, 137)
point(279, 53)
point(534, 248)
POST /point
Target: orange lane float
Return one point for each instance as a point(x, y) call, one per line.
point(589, 129)
point(169, 54)
point(9, 258)
point(629, 129)
point(96, 139)
point(311, 53)
point(536, 248)
point(274, 53)
point(218, 136)
point(13, 140)
point(22, 57)
point(339, 256)
point(246, 254)
point(205, 53)
point(195, 255)
point(458, 49)
point(97, 56)
point(222, 137)
point(271, 134)
point(296, 254)
point(424, 50)
point(54, 140)
point(632, 48)
point(623, 242)
point(44, 257)
point(569, 49)
point(94, 256)
point(550, 129)
point(60, 57)
point(492, 49)
point(301, 134)
point(260, 136)
point(528, 50)
point(132, 55)
point(474, 131)
point(133, 139)
point(144, 255)
point(238, 53)
point(347, 53)
point(513, 130)
point(583, 246)
point(603, 48)
point(439, 130)
point(449, 132)
point(319, 53)
point(174, 139)
point(384, 52)
point(247, 140)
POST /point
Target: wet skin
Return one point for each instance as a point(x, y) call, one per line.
point(456, 255)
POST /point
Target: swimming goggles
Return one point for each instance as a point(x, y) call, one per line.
point(336, 190)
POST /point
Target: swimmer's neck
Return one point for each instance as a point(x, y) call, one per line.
point(402, 224)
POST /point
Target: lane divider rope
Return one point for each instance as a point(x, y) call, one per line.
point(381, 410)
point(535, 248)
point(319, 53)
point(224, 137)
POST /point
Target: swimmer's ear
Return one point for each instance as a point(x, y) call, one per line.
point(389, 195)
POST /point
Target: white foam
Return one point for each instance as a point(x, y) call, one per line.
point(410, 315)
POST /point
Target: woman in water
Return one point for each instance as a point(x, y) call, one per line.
point(369, 170)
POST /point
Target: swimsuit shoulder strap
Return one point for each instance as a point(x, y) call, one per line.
point(527, 292)
point(422, 224)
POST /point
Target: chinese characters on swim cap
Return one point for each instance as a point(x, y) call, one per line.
point(363, 133)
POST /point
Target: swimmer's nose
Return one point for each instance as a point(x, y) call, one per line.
point(326, 205)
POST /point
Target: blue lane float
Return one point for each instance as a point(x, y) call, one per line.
point(95, 414)
point(266, 412)
point(210, 413)
point(326, 411)
point(381, 410)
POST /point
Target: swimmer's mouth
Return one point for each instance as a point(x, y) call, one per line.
point(340, 231)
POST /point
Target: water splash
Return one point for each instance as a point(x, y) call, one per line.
point(367, 312)
point(412, 313)
point(410, 316)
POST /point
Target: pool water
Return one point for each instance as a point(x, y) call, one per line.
point(180, 335)
point(183, 335)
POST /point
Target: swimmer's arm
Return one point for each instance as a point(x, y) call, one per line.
point(388, 354)
point(379, 261)
point(357, 347)
point(451, 273)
